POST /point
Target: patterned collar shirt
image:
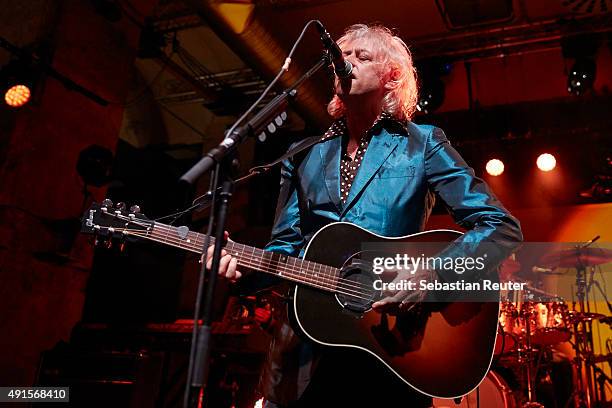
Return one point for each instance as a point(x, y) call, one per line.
point(350, 166)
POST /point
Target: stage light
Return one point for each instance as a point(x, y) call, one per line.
point(432, 90)
point(495, 167)
point(17, 95)
point(546, 162)
point(432, 95)
point(582, 76)
point(601, 189)
point(17, 81)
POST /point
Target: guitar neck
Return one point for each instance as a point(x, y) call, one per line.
point(287, 267)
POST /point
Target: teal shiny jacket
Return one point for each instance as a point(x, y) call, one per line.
point(403, 170)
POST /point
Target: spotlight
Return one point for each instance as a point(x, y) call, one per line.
point(17, 80)
point(495, 167)
point(17, 95)
point(432, 95)
point(432, 89)
point(581, 76)
point(546, 162)
point(601, 189)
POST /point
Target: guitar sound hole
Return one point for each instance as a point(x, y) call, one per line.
point(356, 289)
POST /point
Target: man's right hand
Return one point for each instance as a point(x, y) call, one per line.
point(228, 263)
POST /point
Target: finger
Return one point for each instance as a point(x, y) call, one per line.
point(210, 256)
point(385, 308)
point(400, 296)
point(231, 269)
point(382, 305)
point(223, 264)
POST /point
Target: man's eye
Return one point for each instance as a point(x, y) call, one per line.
point(365, 57)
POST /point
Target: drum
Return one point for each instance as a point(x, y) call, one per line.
point(549, 323)
point(509, 329)
point(493, 392)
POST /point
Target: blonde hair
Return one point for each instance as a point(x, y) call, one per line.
point(401, 97)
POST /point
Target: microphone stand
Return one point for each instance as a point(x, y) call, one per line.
point(253, 127)
point(199, 360)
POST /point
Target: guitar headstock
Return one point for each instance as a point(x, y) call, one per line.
point(108, 221)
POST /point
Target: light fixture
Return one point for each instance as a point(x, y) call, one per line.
point(546, 162)
point(432, 92)
point(581, 76)
point(17, 82)
point(17, 95)
point(495, 167)
point(601, 189)
point(582, 49)
point(431, 96)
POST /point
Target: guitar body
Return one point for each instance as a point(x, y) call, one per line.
point(443, 350)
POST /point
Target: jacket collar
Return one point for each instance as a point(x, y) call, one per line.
point(382, 144)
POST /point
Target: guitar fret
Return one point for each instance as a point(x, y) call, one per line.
point(293, 268)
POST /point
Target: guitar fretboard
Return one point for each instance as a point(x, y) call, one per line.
point(295, 269)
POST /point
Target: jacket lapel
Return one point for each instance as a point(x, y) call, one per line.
point(331, 168)
point(380, 148)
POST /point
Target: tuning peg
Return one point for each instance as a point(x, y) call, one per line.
point(135, 209)
point(108, 244)
point(121, 246)
point(107, 203)
point(120, 206)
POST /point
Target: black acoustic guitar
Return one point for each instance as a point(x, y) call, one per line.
point(443, 350)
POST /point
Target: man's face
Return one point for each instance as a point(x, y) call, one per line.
point(366, 78)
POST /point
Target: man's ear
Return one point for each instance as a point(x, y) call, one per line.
point(391, 78)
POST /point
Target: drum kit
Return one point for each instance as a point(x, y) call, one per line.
point(534, 326)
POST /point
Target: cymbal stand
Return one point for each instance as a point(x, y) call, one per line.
point(525, 313)
point(583, 345)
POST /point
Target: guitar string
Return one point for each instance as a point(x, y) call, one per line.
point(182, 243)
point(265, 268)
point(285, 267)
point(268, 267)
point(297, 277)
point(332, 278)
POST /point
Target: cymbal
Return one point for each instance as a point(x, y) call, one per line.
point(578, 317)
point(607, 320)
point(577, 257)
point(601, 358)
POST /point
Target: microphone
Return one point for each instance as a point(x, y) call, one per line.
point(342, 67)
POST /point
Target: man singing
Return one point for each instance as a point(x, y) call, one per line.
point(376, 169)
